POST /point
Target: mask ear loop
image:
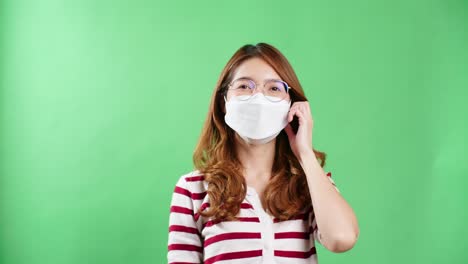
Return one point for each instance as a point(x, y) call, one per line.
point(225, 93)
point(226, 127)
point(290, 100)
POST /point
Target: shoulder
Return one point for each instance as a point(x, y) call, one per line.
point(192, 183)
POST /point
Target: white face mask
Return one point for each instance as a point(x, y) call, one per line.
point(257, 120)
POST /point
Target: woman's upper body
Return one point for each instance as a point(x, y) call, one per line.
point(256, 238)
point(259, 193)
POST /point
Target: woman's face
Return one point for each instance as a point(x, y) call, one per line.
point(259, 73)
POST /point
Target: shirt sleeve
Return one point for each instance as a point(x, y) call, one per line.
point(314, 228)
point(184, 241)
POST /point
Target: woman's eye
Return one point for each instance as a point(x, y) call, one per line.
point(243, 86)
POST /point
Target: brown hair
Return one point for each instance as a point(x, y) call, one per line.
point(286, 194)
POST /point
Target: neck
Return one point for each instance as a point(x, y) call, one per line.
point(257, 159)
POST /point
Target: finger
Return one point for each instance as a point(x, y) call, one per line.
point(292, 113)
point(304, 109)
point(301, 108)
point(308, 108)
point(302, 118)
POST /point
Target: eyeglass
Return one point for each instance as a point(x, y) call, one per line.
point(273, 89)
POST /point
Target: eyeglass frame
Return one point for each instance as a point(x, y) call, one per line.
point(256, 86)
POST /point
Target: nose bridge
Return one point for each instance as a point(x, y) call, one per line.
point(258, 88)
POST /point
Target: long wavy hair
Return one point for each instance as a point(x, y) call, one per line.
point(286, 194)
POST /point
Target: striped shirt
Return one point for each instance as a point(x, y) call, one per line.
point(256, 238)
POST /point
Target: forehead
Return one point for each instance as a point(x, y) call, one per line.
point(255, 69)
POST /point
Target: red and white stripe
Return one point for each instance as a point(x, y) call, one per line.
point(195, 239)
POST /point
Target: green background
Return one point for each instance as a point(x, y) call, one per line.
point(102, 103)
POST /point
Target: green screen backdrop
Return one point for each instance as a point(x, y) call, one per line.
point(102, 102)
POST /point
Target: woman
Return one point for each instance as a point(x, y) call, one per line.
point(259, 193)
